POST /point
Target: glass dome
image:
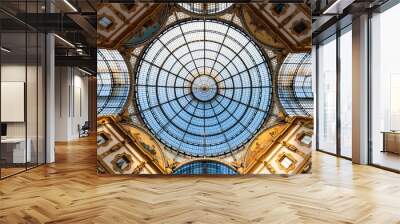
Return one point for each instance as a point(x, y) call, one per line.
point(203, 87)
point(204, 167)
point(295, 85)
point(112, 82)
point(205, 8)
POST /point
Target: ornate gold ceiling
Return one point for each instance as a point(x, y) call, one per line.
point(128, 21)
point(126, 149)
point(283, 146)
point(282, 26)
point(278, 26)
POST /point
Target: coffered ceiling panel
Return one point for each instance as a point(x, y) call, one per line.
point(280, 25)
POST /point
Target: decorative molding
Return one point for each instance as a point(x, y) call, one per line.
point(139, 168)
point(281, 157)
point(116, 162)
point(106, 137)
point(302, 22)
point(106, 28)
point(279, 6)
point(300, 137)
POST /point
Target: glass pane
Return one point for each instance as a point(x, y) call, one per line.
point(23, 90)
point(346, 94)
point(295, 85)
point(41, 100)
point(385, 83)
point(204, 167)
point(31, 98)
point(13, 87)
point(212, 106)
point(112, 82)
point(327, 96)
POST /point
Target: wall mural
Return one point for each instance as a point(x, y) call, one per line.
point(192, 89)
point(147, 28)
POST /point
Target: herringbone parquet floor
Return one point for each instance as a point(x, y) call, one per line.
point(69, 191)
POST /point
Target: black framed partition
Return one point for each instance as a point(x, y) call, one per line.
point(376, 83)
point(22, 89)
point(334, 91)
point(384, 87)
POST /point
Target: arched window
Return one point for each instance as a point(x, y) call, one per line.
point(112, 82)
point(295, 85)
point(203, 87)
point(204, 167)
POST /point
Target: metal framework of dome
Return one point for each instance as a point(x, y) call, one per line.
point(203, 87)
point(204, 167)
point(295, 85)
point(112, 82)
point(205, 8)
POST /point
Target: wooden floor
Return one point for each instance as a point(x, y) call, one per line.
point(5, 172)
point(69, 191)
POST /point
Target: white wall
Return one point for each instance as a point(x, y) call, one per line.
point(71, 102)
point(33, 127)
point(50, 95)
point(16, 73)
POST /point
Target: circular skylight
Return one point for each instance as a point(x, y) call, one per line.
point(203, 88)
point(205, 8)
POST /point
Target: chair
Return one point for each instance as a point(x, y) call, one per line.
point(84, 130)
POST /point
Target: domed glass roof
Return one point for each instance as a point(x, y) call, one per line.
point(112, 82)
point(204, 167)
point(203, 87)
point(295, 85)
